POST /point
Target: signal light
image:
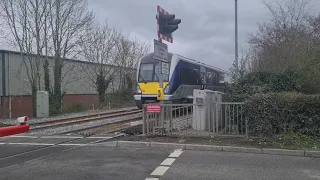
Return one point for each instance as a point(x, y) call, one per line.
point(167, 24)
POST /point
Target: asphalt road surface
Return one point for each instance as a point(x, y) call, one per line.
point(60, 158)
point(193, 165)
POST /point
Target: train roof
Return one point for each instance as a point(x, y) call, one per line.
point(149, 58)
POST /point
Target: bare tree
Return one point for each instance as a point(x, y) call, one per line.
point(25, 19)
point(280, 42)
point(126, 58)
point(68, 21)
point(98, 48)
point(289, 41)
point(245, 63)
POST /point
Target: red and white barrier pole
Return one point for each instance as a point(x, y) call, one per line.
point(23, 127)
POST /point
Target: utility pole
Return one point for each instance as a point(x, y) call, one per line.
point(236, 42)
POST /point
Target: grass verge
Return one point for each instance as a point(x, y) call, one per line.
point(293, 141)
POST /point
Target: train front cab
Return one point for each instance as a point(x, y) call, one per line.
point(147, 93)
point(148, 83)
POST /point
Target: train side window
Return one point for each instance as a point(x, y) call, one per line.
point(182, 75)
point(215, 78)
point(195, 76)
point(210, 78)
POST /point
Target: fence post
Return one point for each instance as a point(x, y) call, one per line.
point(162, 118)
point(170, 118)
point(144, 120)
point(247, 133)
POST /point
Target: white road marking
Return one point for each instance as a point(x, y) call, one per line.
point(72, 144)
point(20, 136)
point(168, 161)
point(176, 153)
point(99, 137)
point(98, 141)
point(46, 144)
point(62, 137)
point(2, 143)
point(159, 171)
point(164, 166)
point(35, 144)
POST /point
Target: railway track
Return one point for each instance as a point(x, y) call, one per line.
point(81, 120)
point(96, 124)
point(107, 128)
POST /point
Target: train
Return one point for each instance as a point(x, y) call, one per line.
point(182, 77)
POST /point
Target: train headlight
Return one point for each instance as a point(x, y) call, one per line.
point(139, 90)
point(166, 89)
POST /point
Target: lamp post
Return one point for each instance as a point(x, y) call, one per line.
point(236, 42)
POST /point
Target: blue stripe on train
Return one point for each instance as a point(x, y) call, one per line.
point(175, 82)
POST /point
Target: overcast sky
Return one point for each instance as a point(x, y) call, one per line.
point(206, 32)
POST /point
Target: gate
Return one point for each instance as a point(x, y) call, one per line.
point(170, 118)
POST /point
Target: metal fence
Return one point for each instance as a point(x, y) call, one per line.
point(228, 119)
point(173, 117)
point(224, 118)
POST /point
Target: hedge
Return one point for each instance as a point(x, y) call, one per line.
point(275, 113)
point(263, 82)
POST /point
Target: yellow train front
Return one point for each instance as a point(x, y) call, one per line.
point(183, 76)
point(148, 80)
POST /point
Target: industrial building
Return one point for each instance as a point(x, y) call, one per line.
point(77, 80)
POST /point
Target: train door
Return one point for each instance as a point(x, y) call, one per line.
point(203, 77)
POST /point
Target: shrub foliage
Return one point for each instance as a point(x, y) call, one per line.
point(263, 82)
point(274, 113)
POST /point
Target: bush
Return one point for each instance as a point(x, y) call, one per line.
point(263, 82)
point(275, 113)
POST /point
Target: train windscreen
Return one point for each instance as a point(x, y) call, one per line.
point(146, 72)
point(157, 74)
point(149, 72)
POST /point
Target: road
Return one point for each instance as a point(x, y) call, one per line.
point(51, 158)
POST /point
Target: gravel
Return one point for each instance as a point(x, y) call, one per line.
point(182, 127)
point(66, 129)
point(63, 116)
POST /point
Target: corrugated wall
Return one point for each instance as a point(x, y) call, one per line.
point(77, 77)
point(78, 81)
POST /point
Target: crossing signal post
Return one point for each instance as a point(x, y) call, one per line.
point(167, 24)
